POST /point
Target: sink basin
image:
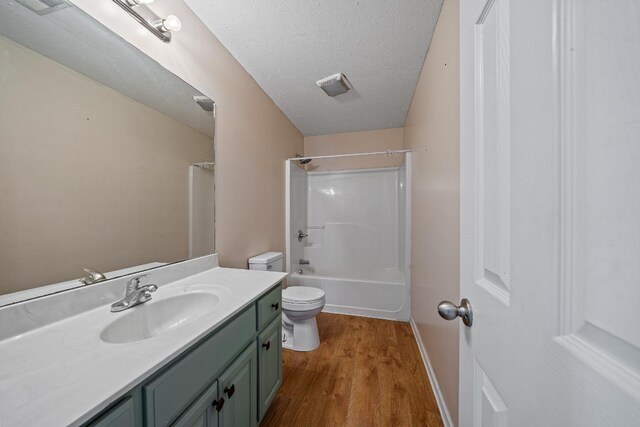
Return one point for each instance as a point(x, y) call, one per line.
point(159, 316)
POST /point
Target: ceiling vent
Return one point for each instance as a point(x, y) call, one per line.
point(204, 101)
point(335, 85)
point(42, 7)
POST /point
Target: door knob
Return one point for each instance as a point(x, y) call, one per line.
point(449, 311)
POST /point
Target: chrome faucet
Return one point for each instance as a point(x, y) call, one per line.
point(134, 294)
point(93, 277)
point(304, 262)
point(301, 235)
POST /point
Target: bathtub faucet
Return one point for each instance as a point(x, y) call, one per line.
point(301, 235)
point(304, 262)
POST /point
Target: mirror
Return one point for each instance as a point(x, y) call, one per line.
point(106, 158)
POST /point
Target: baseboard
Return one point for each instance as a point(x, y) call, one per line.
point(442, 406)
point(364, 312)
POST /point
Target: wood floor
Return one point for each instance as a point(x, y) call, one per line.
point(366, 372)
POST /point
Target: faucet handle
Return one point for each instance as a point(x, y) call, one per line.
point(94, 277)
point(134, 283)
point(134, 294)
point(92, 272)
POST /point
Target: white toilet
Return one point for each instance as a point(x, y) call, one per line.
point(300, 305)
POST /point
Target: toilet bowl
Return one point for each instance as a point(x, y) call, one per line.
point(300, 305)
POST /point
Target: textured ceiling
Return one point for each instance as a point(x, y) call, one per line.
point(286, 45)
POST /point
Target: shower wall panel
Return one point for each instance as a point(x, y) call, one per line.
point(354, 221)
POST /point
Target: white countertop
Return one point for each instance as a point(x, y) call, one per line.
point(63, 373)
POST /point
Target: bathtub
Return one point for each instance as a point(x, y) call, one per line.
point(348, 233)
point(387, 298)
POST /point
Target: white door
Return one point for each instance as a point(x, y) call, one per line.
point(550, 212)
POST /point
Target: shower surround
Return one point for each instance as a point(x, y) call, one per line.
point(358, 243)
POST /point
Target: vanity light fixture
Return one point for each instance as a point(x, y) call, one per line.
point(170, 23)
point(159, 27)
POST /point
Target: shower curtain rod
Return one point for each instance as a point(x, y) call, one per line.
point(373, 153)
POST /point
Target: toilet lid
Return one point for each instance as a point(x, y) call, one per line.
point(302, 294)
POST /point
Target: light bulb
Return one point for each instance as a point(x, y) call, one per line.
point(172, 23)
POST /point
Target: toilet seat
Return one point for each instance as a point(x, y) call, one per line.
point(302, 298)
point(302, 295)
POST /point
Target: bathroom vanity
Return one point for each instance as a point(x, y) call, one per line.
point(204, 351)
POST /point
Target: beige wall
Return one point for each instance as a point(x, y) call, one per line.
point(433, 123)
point(88, 177)
point(354, 142)
point(253, 137)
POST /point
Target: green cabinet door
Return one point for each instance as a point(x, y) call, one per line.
point(203, 412)
point(238, 385)
point(174, 389)
point(121, 415)
point(270, 364)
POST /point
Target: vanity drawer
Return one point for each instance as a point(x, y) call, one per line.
point(173, 390)
point(269, 306)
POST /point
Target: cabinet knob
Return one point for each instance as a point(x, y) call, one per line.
point(275, 306)
point(218, 404)
point(230, 390)
point(267, 345)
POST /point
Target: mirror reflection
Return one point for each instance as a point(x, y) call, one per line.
point(106, 158)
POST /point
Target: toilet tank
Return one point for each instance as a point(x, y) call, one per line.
point(270, 261)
